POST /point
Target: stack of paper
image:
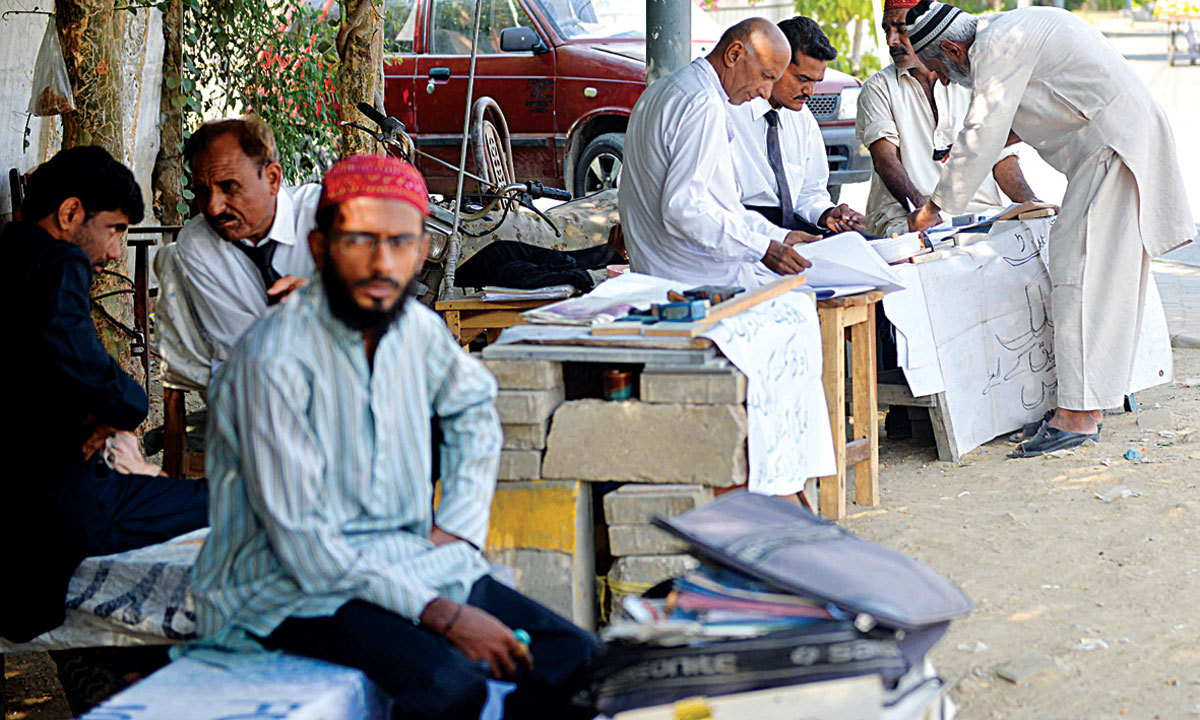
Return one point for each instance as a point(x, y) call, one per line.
point(491, 293)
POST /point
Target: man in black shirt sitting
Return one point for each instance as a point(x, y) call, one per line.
point(59, 502)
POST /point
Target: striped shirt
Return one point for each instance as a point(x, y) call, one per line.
point(319, 466)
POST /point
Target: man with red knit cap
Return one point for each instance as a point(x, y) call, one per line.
point(324, 542)
point(907, 119)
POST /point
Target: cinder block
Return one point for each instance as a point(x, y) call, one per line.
point(648, 442)
point(526, 374)
point(645, 571)
point(638, 504)
point(702, 388)
point(641, 540)
point(544, 532)
point(520, 465)
point(526, 407)
point(520, 436)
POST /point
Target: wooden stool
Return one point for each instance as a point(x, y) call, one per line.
point(470, 316)
point(850, 318)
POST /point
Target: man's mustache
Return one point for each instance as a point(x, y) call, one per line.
point(224, 217)
point(898, 50)
point(377, 279)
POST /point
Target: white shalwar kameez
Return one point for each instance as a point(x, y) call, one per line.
point(1058, 83)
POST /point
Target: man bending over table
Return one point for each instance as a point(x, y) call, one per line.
point(324, 541)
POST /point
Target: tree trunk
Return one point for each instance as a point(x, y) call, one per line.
point(168, 166)
point(360, 47)
point(856, 48)
point(92, 33)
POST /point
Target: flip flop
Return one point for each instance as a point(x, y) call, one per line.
point(1048, 440)
point(1032, 429)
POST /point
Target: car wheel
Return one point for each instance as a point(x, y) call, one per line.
point(599, 167)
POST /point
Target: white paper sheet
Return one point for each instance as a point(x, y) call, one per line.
point(847, 260)
point(608, 301)
point(777, 344)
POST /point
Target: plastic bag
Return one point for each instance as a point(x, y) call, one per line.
point(51, 87)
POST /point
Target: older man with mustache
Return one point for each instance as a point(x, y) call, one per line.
point(247, 251)
point(1047, 77)
point(908, 120)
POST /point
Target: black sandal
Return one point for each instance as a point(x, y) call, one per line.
point(1048, 440)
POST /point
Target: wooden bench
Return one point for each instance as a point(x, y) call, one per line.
point(469, 317)
point(850, 319)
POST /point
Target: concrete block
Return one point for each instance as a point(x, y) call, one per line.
point(641, 540)
point(526, 374)
point(544, 532)
point(521, 436)
point(526, 407)
point(646, 571)
point(705, 388)
point(648, 442)
point(639, 504)
point(520, 465)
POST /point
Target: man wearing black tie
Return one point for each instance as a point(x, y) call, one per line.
point(783, 170)
point(249, 248)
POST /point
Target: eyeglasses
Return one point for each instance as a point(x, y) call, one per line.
point(356, 243)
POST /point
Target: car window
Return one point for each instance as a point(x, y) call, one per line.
point(399, 25)
point(615, 19)
point(454, 22)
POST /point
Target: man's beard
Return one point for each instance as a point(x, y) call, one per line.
point(958, 74)
point(375, 321)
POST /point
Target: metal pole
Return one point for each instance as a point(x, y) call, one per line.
point(668, 37)
point(448, 289)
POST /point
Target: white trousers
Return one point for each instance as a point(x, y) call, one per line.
point(1099, 270)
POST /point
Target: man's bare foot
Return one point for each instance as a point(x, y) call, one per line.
point(1076, 421)
point(123, 454)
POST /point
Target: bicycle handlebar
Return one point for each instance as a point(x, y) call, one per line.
point(387, 124)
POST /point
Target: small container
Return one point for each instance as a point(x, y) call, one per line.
point(618, 384)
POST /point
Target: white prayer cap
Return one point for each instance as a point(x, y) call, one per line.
point(927, 21)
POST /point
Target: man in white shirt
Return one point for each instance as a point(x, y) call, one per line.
point(679, 199)
point(907, 119)
point(249, 249)
point(779, 143)
point(1050, 79)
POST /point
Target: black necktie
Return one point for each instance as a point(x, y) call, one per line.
point(261, 255)
point(775, 158)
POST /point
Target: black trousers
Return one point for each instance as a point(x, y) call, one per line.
point(508, 263)
point(87, 509)
point(428, 677)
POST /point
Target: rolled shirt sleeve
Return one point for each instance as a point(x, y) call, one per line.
point(875, 120)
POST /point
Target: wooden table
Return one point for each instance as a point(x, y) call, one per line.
point(850, 318)
point(468, 317)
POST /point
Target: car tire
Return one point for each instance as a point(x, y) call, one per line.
point(599, 166)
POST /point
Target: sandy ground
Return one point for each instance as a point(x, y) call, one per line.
point(1107, 595)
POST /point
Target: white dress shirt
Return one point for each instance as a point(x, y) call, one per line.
point(893, 106)
point(679, 200)
point(223, 288)
point(804, 160)
point(318, 471)
point(1065, 90)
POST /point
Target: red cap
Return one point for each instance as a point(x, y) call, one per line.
point(899, 4)
point(381, 176)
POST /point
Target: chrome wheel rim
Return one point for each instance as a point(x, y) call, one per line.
point(603, 172)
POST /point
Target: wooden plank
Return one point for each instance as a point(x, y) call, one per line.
point(943, 430)
point(477, 304)
point(729, 308)
point(833, 345)
point(888, 394)
point(620, 327)
point(490, 319)
point(452, 318)
point(856, 315)
point(865, 298)
point(866, 425)
point(856, 452)
point(174, 432)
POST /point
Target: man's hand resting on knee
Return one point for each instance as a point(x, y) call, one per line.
point(782, 259)
point(478, 635)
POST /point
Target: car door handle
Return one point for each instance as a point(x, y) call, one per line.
point(439, 73)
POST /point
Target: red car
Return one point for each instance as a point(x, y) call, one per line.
point(566, 73)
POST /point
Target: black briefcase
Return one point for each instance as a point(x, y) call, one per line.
point(786, 546)
point(627, 675)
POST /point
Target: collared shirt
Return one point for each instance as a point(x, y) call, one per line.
point(319, 470)
point(680, 203)
point(893, 106)
point(804, 159)
point(1062, 87)
point(223, 288)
